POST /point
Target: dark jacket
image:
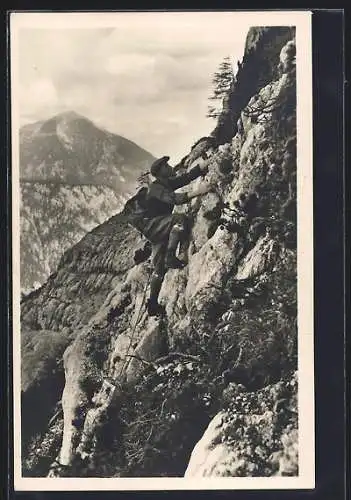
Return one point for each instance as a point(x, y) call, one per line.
point(161, 195)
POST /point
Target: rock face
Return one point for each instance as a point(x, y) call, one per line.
point(260, 66)
point(74, 176)
point(210, 389)
point(53, 218)
point(239, 440)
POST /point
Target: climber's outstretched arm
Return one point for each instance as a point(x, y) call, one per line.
point(167, 196)
point(201, 190)
point(184, 179)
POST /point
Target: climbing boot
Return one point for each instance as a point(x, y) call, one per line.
point(173, 262)
point(154, 308)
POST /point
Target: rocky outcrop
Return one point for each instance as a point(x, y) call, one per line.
point(260, 66)
point(85, 276)
point(240, 440)
point(53, 218)
point(140, 392)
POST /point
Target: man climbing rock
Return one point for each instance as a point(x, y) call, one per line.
point(164, 229)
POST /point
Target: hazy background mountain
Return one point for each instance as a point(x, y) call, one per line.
point(73, 176)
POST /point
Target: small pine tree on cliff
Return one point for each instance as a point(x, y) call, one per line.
point(222, 81)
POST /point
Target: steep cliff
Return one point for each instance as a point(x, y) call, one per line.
point(55, 216)
point(211, 388)
point(260, 65)
point(74, 176)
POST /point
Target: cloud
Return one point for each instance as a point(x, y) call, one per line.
point(38, 98)
point(177, 34)
point(148, 77)
point(130, 64)
point(43, 91)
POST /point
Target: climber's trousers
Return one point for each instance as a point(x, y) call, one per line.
point(155, 286)
point(177, 235)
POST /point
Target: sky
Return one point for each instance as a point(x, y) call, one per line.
point(145, 76)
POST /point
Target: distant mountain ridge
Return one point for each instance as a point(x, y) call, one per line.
point(69, 147)
point(73, 176)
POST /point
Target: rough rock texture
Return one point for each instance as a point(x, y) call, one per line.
point(85, 276)
point(74, 176)
point(260, 66)
point(42, 377)
point(140, 392)
point(240, 440)
point(53, 218)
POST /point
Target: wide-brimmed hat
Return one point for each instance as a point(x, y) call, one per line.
point(155, 167)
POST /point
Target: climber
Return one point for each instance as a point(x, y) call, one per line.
point(161, 227)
